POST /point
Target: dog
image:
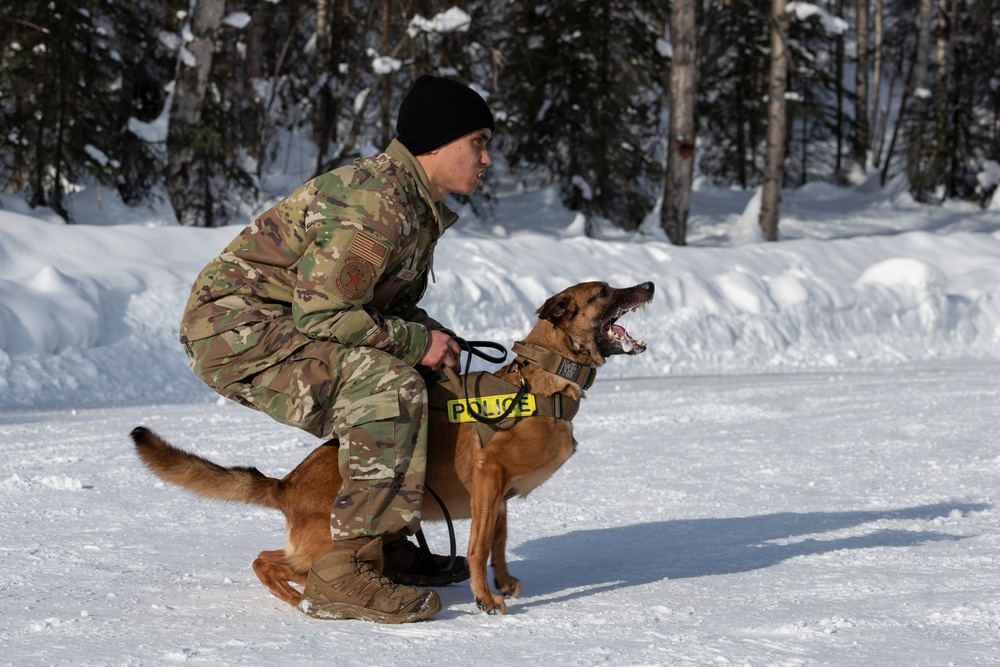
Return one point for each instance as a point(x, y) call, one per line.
point(576, 331)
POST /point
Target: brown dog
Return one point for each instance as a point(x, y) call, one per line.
point(576, 332)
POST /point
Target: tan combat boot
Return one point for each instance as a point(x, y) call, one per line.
point(346, 583)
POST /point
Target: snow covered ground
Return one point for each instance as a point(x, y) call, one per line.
point(801, 470)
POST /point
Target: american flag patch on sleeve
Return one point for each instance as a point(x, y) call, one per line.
point(368, 249)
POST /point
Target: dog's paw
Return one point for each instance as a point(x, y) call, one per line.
point(509, 586)
point(495, 605)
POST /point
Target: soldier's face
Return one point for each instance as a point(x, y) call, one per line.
point(461, 164)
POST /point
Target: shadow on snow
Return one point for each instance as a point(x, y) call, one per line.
point(623, 556)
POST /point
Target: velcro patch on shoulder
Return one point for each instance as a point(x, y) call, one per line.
point(356, 278)
point(368, 248)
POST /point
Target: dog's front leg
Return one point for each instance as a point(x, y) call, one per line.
point(506, 584)
point(487, 496)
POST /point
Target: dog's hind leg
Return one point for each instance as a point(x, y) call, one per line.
point(274, 572)
point(506, 584)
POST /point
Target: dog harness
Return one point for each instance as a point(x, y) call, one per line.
point(488, 402)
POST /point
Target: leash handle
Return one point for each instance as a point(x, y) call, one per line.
point(475, 347)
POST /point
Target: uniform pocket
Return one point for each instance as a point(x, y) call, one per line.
point(371, 436)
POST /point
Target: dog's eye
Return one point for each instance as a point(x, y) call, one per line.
point(603, 292)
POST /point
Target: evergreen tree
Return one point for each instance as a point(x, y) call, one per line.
point(733, 90)
point(965, 119)
point(583, 107)
point(577, 86)
point(68, 85)
point(146, 65)
point(984, 17)
point(733, 96)
point(815, 98)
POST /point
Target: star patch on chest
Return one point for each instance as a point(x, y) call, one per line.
point(355, 278)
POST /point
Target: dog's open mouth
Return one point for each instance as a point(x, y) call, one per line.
point(618, 338)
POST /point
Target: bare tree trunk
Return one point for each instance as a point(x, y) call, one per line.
point(876, 111)
point(916, 168)
point(861, 139)
point(322, 120)
point(923, 48)
point(681, 136)
point(265, 116)
point(883, 123)
point(945, 144)
point(385, 106)
point(774, 158)
point(904, 99)
point(838, 166)
point(185, 111)
point(257, 32)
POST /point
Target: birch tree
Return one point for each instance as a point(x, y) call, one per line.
point(681, 135)
point(774, 156)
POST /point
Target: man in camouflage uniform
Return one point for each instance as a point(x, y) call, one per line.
point(310, 315)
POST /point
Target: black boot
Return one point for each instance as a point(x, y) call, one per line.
point(406, 563)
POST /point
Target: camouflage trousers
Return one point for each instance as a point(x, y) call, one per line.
point(371, 402)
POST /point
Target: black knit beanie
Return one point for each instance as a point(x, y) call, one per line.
point(437, 111)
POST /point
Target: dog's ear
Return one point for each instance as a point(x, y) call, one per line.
point(558, 308)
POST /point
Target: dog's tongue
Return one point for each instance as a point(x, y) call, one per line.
point(625, 340)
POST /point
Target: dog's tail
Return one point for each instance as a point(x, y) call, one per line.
point(202, 477)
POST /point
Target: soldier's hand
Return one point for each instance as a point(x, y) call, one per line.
point(441, 351)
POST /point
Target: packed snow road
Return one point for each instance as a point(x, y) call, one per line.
point(841, 518)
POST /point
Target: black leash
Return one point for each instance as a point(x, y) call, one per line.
point(470, 347)
point(428, 555)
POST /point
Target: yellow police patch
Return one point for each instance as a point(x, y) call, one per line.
point(490, 406)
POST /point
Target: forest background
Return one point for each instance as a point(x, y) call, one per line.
point(623, 104)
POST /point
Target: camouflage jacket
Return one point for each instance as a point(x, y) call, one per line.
point(347, 255)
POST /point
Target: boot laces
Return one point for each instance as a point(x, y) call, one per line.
point(370, 579)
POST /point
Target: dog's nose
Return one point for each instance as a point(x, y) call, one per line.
point(647, 287)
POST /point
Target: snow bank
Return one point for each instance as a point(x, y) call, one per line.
point(88, 314)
